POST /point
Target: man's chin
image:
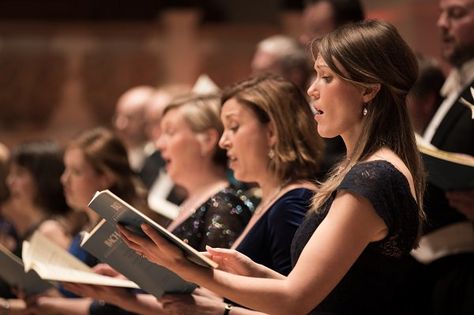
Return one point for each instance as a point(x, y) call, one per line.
point(447, 51)
point(458, 56)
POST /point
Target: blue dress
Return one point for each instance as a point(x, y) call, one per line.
point(269, 241)
point(76, 250)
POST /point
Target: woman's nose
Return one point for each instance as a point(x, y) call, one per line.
point(313, 91)
point(223, 141)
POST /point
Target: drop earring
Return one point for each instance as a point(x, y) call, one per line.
point(364, 111)
point(271, 154)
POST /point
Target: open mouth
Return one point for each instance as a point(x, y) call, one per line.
point(315, 109)
point(231, 160)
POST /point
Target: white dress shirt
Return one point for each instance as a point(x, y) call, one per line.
point(455, 83)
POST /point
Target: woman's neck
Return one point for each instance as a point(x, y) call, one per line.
point(199, 190)
point(269, 185)
point(204, 180)
point(27, 220)
point(351, 138)
point(349, 144)
point(93, 218)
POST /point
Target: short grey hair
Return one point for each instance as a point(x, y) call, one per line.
point(283, 47)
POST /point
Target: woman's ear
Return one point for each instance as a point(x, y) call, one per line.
point(370, 92)
point(208, 141)
point(271, 135)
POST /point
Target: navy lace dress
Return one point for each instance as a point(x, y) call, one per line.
point(374, 284)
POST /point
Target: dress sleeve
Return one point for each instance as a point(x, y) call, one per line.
point(374, 184)
point(389, 193)
point(225, 218)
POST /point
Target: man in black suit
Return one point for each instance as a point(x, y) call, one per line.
point(447, 246)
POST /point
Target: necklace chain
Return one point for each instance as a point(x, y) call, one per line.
point(264, 205)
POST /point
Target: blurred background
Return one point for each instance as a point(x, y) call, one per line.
point(64, 63)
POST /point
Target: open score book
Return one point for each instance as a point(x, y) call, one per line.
point(52, 262)
point(447, 170)
point(117, 211)
point(105, 243)
point(12, 270)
